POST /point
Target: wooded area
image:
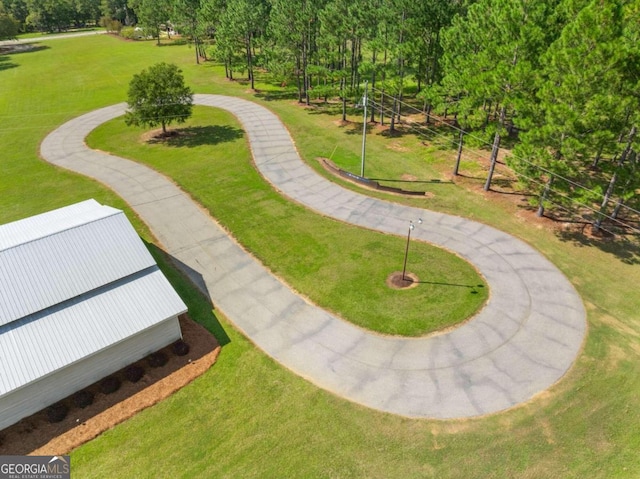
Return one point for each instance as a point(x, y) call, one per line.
point(561, 78)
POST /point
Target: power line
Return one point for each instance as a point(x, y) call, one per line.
point(419, 129)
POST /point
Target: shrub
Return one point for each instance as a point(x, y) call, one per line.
point(57, 412)
point(112, 25)
point(82, 399)
point(134, 373)
point(110, 385)
point(180, 348)
point(157, 360)
point(133, 33)
point(128, 33)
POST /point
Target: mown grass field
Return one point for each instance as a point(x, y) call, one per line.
point(249, 417)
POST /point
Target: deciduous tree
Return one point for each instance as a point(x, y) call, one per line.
point(158, 96)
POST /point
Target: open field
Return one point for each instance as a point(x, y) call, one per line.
point(248, 417)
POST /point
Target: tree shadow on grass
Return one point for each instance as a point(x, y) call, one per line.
point(6, 63)
point(270, 95)
point(7, 51)
point(626, 250)
point(194, 136)
point(18, 48)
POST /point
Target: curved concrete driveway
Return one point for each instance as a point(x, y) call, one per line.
point(521, 343)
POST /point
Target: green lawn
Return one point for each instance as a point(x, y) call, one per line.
point(249, 417)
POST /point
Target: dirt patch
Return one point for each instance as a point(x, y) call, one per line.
point(408, 177)
point(451, 427)
point(397, 281)
point(158, 136)
point(342, 122)
point(397, 147)
point(36, 435)
point(619, 325)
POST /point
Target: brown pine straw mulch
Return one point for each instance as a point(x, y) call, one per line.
point(35, 435)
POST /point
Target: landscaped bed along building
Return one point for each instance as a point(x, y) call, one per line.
point(80, 298)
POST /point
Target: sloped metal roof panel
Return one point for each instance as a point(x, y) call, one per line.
point(48, 259)
point(50, 222)
point(40, 344)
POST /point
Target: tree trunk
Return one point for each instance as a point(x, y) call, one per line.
point(250, 62)
point(544, 196)
point(373, 83)
point(298, 80)
point(460, 144)
point(596, 160)
point(393, 116)
point(616, 210)
point(614, 178)
point(343, 97)
point(494, 151)
point(492, 162)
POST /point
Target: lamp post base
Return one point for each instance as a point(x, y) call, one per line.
point(396, 281)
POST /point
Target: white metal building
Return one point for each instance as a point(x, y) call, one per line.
point(80, 298)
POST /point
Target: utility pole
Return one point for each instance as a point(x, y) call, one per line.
point(364, 128)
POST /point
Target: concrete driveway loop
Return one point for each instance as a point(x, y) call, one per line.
point(521, 343)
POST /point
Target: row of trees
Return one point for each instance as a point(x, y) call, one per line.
point(566, 73)
point(561, 75)
point(51, 15)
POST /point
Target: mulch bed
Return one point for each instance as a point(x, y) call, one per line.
point(36, 435)
point(396, 281)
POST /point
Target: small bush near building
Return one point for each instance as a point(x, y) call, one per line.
point(82, 399)
point(109, 385)
point(134, 373)
point(57, 412)
point(157, 360)
point(180, 348)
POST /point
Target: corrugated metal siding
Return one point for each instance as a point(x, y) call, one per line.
point(50, 389)
point(39, 344)
point(68, 262)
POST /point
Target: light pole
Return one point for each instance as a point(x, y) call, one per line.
point(364, 128)
point(406, 251)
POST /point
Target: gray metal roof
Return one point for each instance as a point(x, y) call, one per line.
point(73, 282)
point(49, 258)
point(42, 343)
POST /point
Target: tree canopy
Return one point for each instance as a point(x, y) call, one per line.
point(8, 26)
point(158, 96)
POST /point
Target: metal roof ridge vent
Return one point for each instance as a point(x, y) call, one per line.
point(61, 229)
point(34, 316)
